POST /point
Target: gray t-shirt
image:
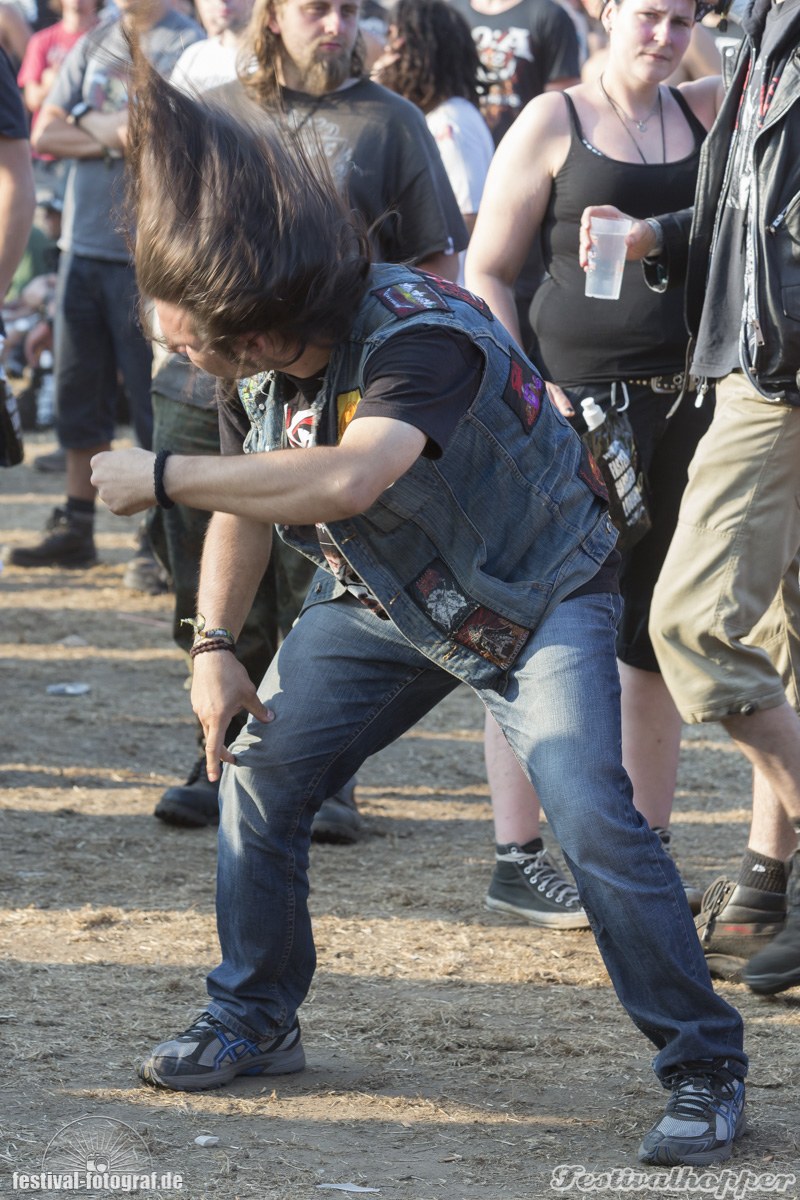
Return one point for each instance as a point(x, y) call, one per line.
point(95, 71)
point(384, 161)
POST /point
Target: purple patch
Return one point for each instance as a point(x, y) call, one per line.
point(524, 392)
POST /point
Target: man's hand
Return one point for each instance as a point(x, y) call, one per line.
point(559, 399)
point(124, 479)
point(641, 240)
point(220, 688)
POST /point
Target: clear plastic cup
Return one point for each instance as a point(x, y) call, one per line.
point(607, 257)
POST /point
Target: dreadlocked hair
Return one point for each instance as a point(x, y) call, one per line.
point(436, 56)
point(236, 224)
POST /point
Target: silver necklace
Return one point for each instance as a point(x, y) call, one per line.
point(623, 119)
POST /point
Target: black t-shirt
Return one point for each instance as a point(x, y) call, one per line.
point(13, 122)
point(423, 377)
point(731, 270)
point(521, 51)
point(427, 378)
point(383, 160)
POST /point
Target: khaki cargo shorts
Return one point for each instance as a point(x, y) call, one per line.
point(725, 618)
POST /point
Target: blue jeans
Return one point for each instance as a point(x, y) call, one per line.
point(344, 685)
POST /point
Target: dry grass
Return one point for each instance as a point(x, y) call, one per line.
point(453, 1054)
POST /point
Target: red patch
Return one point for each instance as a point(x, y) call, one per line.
point(454, 292)
point(494, 637)
point(591, 474)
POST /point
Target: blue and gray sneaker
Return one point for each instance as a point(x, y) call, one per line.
point(704, 1116)
point(208, 1055)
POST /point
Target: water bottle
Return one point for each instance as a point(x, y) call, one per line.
point(610, 439)
point(46, 394)
point(11, 447)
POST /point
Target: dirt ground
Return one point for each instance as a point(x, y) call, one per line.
point(453, 1054)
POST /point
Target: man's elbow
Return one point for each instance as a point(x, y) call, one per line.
point(354, 493)
point(40, 140)
point(44, 138)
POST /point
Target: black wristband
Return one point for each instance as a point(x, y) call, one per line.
point(162, 499)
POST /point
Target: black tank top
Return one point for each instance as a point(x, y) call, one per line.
point(585, 341)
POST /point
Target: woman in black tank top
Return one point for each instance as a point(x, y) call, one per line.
point(624, 139)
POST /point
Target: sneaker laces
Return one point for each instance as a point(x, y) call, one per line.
point(694, 1092)
point(544, 875)
point(203, 1023)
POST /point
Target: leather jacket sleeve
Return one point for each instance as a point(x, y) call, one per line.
point(669, 269)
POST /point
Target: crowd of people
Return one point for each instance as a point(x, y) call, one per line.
point(269, 252)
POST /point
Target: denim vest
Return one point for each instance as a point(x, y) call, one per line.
point(469, 552)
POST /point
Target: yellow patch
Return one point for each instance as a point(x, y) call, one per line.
point(346, 405)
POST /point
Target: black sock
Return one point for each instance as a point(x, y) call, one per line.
point(80, 510)
point(762, 873)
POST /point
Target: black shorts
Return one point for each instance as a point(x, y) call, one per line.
point(666, 447)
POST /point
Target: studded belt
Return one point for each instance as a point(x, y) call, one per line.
point(661, 384)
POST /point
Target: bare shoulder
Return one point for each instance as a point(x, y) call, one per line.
point(548, 112)
point(540, 132)
point(704, 97)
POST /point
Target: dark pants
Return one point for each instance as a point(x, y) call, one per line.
point(97, 335)
point(666, 447)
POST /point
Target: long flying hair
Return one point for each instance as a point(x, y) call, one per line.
point(436, 56)
point(258, 61)
point(236, 224)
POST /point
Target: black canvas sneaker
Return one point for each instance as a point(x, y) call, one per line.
point(527, 882)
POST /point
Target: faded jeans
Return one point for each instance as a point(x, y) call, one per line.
point(344, 685)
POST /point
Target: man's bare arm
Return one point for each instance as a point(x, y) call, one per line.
point(235, 555)
point(291, 487)
point(17, 202)
point(441, 264)
point(56, 135)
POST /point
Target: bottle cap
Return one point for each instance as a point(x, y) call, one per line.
point(593, 414)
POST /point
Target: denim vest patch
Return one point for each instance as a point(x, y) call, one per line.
point(469, 552)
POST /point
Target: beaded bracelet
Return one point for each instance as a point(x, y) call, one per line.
point(205, 646)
